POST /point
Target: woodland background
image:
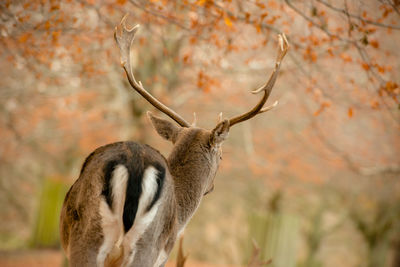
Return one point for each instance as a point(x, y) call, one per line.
point(315, 181)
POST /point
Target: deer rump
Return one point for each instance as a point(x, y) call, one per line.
point(127, 196)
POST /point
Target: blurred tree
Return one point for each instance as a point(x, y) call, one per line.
point(63, 93)
point(276, 232)
point(378, 228)
point(45, 232)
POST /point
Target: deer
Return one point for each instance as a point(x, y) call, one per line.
point(130, 204)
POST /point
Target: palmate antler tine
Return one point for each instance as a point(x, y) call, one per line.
point(267, 88)
point(124, 38)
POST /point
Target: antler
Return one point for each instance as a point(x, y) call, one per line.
point(267, 88)
point(124, 38)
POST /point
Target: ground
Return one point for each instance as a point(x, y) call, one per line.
point(53, 258)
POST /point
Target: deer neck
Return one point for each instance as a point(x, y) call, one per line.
point(189, 182)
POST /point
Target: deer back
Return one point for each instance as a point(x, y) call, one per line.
point(123, 199)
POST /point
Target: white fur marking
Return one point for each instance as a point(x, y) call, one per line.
point(119, 193)
point(180, 232)
point(111, 222)
point(162, 257)
point(142, 219)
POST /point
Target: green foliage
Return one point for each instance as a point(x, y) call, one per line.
point(46, 227)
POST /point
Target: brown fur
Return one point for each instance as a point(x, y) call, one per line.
point(190, 172)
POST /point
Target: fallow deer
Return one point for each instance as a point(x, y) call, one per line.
point(130, 203)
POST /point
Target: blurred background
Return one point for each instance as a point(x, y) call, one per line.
point(314, 182)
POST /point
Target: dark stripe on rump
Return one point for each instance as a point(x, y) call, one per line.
point(135, 167)
point(136, 159)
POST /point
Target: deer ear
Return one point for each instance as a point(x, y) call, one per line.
point(164, 128)
point(219, 133)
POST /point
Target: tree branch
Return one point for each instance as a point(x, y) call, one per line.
point(345, 11)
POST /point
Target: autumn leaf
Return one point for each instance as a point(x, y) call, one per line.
point(121, 2)
point(247, 17)
point(364, 14)
point(391, 86)
point(54, 7)
point(346, 57)
point(201, 2)
point(193, 40)
point(310, 54)
point(261, 5)
point(322, 108)
point(228, 22)
point(200, 77)
point(186, 58)
point(24, 37)
point(365, 65)
point(374, 43)
point(374, 104)
point(380, 68)
point(263, 15)
point(258, 28)
point(350, 112)
point(55, 35)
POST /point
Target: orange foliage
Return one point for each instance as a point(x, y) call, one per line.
point(67, 47)
point(346, 57)
point(374, 43)
point(365, 65)
point(350, 112)
point(228, 22)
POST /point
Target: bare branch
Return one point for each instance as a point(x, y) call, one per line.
point(159, 15)
point(347, 13)
point(330, 34)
